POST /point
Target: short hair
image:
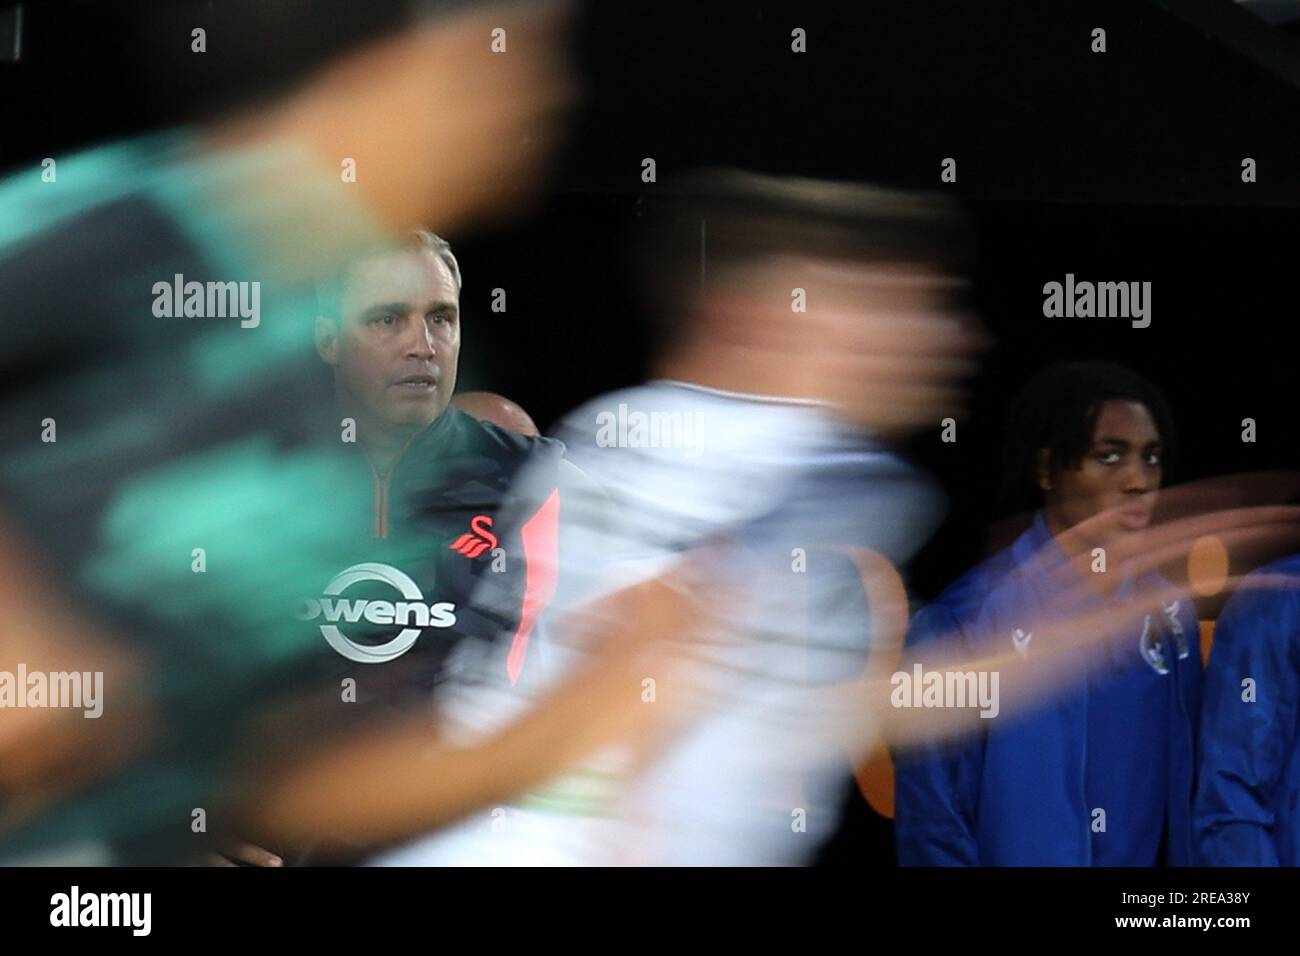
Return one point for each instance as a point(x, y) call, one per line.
point(1057, 410)
point(749, 216)
point(329, 291)
point(440, 247)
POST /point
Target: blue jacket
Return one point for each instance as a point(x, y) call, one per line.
point(1247, 810)
point(1120, 739)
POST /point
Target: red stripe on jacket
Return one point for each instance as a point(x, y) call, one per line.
point(541, 535)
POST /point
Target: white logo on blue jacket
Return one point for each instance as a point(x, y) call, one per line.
point(1153, 648)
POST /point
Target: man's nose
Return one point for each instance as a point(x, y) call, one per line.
point(1140, 478)
point(420, 341)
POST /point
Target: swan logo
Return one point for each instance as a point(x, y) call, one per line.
point(479, 539)
point(335, 608)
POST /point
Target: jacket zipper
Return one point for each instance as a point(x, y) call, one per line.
point(381, 502)
point(382, 484)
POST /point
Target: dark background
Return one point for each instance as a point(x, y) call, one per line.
point(1122, 166)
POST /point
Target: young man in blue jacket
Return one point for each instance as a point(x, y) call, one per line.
point(1247, 810)
point(1101, 773)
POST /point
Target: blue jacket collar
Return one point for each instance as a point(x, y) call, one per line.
point(1038, 536)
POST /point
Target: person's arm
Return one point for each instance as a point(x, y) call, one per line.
point(46, 753)
point(398, 782)
point(1244, 743)
point(937, 782)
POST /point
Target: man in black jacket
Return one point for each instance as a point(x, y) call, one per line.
point(448, 515)
point(460, 542)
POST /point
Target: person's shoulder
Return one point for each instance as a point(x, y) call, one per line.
point(1282, 574)
point(1272, 589)
point(632, 437)
point(964, 597)
point(959, 606)
point(486, 437)
point(581, 426)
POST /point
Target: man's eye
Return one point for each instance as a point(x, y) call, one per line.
point(1155, 458)
point(386, 318)
point(442, 318)
point(1109, 458)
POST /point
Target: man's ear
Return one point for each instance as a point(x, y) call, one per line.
point(327, 340)
point(1044, 470)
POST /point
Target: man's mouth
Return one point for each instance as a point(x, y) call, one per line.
point(1134, 518)
point(417, 383)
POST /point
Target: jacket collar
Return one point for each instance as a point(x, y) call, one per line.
point(1031, 544)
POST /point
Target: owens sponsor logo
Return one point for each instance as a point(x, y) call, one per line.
point(413, 613)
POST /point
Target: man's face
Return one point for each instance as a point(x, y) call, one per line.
point(1120, 473)
point(895, 343)
point(396, 348)
point(884, 344)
